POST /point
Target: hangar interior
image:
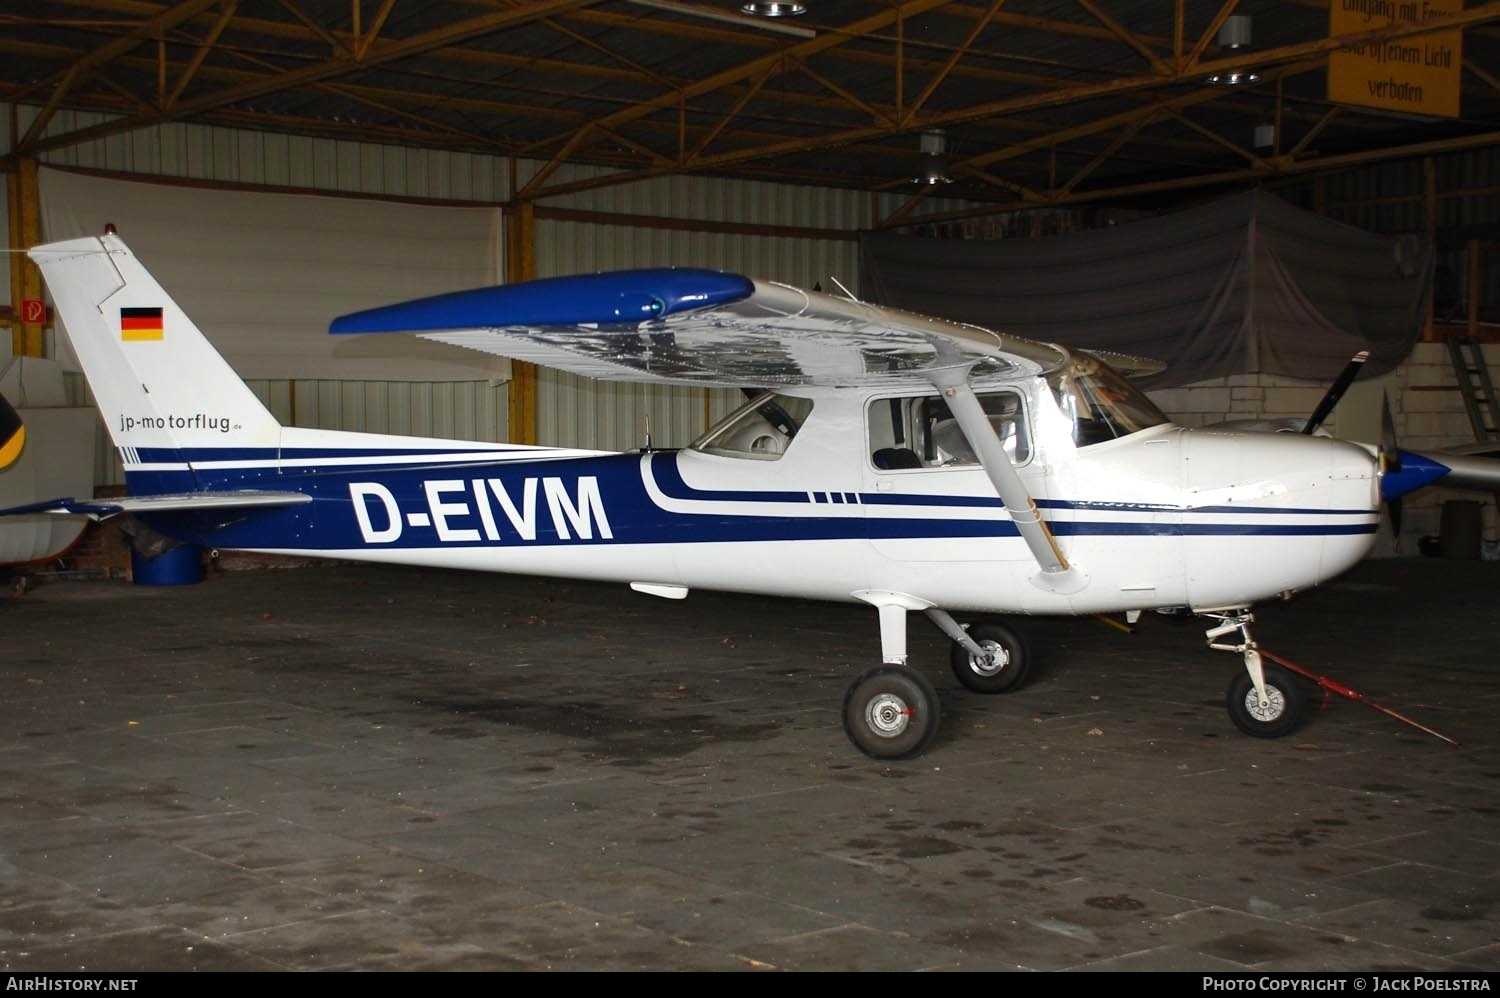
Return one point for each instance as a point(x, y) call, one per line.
point(598, 136)
point(379, 783)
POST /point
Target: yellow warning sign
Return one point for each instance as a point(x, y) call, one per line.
point(1415, 74)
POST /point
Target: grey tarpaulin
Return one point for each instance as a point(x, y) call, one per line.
point(1246, 284)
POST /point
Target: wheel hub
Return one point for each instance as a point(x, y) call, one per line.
point(995, 658)
point(887, 715)
point(1273, 709)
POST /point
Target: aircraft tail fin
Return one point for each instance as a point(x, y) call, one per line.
point(167, 396)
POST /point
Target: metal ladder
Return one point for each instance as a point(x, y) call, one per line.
point(1474, 381)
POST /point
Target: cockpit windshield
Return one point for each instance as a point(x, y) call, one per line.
point(1102, 403)
point(762, 429)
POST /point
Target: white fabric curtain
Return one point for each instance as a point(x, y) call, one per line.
point(262, 274)
point(1247, 283)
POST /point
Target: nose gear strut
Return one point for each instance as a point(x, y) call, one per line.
point(1240, 620)
point(1263, 701)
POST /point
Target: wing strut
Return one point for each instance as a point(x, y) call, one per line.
point(1056, 574)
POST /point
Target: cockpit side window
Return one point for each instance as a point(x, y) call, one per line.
point(921, 432)
point(761, 430)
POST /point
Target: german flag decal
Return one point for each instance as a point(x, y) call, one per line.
point(140, 324)
point(12, 433)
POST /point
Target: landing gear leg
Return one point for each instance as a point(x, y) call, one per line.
point(987, 657)
point(891, 712)
point(1264, 702)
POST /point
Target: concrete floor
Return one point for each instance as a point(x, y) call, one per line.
point(341, 768)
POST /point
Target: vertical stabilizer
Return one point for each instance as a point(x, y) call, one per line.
point(167, 397)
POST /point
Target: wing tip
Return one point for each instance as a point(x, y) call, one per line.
point(609, 297)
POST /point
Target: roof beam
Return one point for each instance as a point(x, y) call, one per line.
point(336, 45)
point(1115, 144)
point(739, 106)
point(942, 73)
point(749, 70)
point(1152, 59)
point(1227, 177)
point(1290, 58)
point(1209, 34)
point(204, 47)
point(316, 73)
point(1213, 136)
point(88, 65)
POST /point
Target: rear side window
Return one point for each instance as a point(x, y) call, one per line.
point(761, 430)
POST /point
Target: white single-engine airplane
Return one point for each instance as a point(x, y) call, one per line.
point(891, 459)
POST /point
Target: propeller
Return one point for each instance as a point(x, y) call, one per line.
point(1336, 391)
point(1390, 463)
point(12, 434)
point(1401, 472)
point(1393, 483)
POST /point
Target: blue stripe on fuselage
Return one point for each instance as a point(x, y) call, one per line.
point(603, 500)
point(158, 470)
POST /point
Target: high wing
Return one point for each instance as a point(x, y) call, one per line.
point(705, 327)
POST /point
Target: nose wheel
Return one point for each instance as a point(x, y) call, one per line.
point(1279, 714)
point(1265, 701)
point(891, 712)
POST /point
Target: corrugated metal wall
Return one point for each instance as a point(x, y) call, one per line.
point(572, 411)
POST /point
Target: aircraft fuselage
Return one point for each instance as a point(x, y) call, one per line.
point(1162, 517)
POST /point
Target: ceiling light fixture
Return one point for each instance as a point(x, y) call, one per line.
point(763, 23)
point(775, 9)
point(934, 149)
point(1235, 32)
point(1233, 36)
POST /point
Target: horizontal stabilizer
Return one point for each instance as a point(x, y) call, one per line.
point(101, 509)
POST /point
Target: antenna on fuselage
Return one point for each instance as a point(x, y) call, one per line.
point(840, 285)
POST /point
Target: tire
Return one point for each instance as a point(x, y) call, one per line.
point(1287, 703)
point(891, 712)
point(1007, 674)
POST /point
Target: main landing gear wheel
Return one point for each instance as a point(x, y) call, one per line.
point(1280, 717)
point(1006, 666)
point(891, 712)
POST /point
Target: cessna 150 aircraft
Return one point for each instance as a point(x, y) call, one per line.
point(891, 459)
